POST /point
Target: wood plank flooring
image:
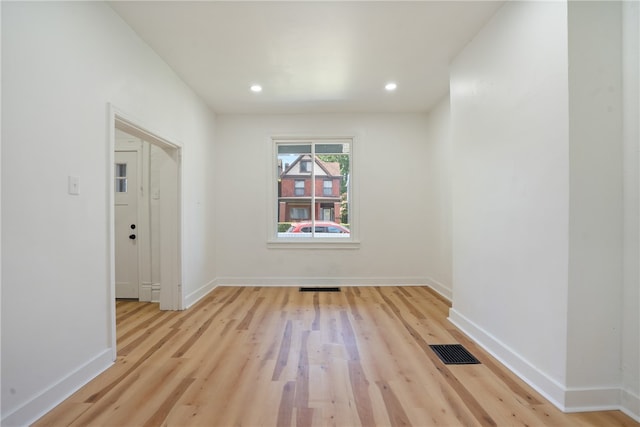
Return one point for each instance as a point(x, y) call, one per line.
point(250, 356)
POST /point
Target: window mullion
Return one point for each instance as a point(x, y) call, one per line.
point(313, 189)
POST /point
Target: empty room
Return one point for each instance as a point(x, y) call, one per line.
point(271, 213)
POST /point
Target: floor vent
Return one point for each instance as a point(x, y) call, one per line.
point(322, 289)
point(454, 354)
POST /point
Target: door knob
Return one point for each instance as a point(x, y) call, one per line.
point(133, 226)
point(132, 236)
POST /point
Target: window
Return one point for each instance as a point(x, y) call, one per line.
point(299, 213)
point(332, 229)
point(327, 187)
point(313, 191)
point(121, 177)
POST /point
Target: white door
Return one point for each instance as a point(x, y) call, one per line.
point(126, 224)
point(326, 214)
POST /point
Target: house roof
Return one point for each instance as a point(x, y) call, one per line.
point(330, 168)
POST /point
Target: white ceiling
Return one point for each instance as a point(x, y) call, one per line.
point(310, 57)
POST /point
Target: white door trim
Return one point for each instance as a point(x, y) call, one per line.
point(171, 297)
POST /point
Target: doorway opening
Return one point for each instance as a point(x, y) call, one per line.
point(145, 200)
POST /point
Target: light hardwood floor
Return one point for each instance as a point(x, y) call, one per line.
point(249, 356)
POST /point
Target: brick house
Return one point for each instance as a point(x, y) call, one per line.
point(294, 190)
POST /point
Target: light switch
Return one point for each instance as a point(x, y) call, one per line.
point(74, 185)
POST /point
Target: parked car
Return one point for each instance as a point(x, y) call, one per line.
point(321, 227)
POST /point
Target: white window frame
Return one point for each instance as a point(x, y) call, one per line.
point(275, 242)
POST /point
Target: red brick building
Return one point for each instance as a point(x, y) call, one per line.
point(294, 190)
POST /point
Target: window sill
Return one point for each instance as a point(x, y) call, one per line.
point(312, 244)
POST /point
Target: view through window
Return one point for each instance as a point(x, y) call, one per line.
point(313, 189)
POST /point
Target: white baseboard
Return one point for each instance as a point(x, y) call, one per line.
point(565, 399)
point(440, 288)
point(602, 399)
point(543, 384)
point(630, 404)
point(199, 293)
point(39, 405)
point(591, 399)
point(155, 292)
point(322, 281)
point(145, 292)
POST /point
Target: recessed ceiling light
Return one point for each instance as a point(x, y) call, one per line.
point(256, 88)
point(391, 86)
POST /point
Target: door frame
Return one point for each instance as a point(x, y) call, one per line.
point(171, 297)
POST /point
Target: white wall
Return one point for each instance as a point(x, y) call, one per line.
point(595, 210)
point(389, 170)
point(437, 193)
point(62, 63)
point(631, 231)
point(509, 116)
point(538, 203)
